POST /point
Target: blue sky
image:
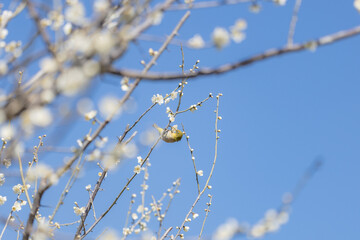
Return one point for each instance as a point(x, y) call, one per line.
point(278, 116)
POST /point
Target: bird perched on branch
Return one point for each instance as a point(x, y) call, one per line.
point(169, 135)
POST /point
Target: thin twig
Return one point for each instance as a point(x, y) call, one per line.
point(294, 19)
point(24, 182)
point(211, 171)
point(193, 160)
point(206, 215)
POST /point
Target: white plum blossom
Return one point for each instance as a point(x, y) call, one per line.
point(2, 200)
point(17, 206)
point(90, 115)
point(220, 37)
point(196, 41)
point(174, 95)
point(124, 84)
point(79, 211)
point(159, 99)
point(137, 169)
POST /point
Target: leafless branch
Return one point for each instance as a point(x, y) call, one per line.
point(322, 41)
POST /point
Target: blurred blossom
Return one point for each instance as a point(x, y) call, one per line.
point(40, 116)
point(101, 6)
point(255, 8)
point(2, 200)
point(84, 105)
point(357, 5)
point(147, 235)
point(71, 81)
point(227, 230)
point(110, 162)
point(75, 13)
point(149, 137)
point(42, 171)
point(280, 2)
point(3, 67)
point(220, 37)
point(237, 29)
point(47, 96)
point(109, 235)
point(196, 41)
point(2, 179)
point(43, 231)
point(7, 132)
point(5, 17)
point(271, 222)
point(103, 42)
point(100, 143)
point(94, 155)
point(49, 65)
point(125, 84)
point(79, 43)
point(67, 28)
point(258, 230)
point(130, 150)
point(91, 68)
point(3, 33)
point(109, 106)
point(14, 48)
point(56, 20)
point(156, 17)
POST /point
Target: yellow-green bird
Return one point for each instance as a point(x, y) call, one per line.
point(169, 136)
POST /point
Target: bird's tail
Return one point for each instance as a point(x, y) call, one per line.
point(158, 128)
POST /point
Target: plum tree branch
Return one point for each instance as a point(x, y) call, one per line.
point(312, 44)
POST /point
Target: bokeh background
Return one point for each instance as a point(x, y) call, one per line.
point(278, 115)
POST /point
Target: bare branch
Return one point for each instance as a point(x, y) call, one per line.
point(322, 41)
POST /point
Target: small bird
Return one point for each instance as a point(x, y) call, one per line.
point(169, 136)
